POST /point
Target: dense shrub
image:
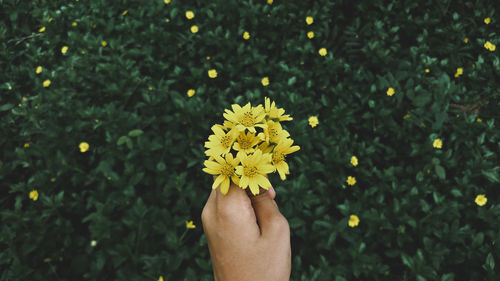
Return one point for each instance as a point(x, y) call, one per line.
point(118, 211)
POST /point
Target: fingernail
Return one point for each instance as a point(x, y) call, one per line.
point(272, 192)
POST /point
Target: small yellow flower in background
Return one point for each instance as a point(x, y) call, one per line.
point(488, 45)
point(25, 99)
point(47, 260)
point(93, 243)
point(208, 57)
point(124, 12)
point(194, 29)
point(479, 120)
point(310, 35)
point(42, 29)
point(190, 92)
point(309, 20)
point(427, 70)
point(212, 73)
point(74, 23)
point(354, 161)
point(166, 1)
point(353, 221)
point(190, 225)
point(161, 277)
point(351, 180)
point(322, 52)
point(83, 147)
point(38, 69)
point(26, 145)
point(46, 83)
point(481, 200)
point(53, 179)
point(50, 19)
point(94, 25)
point(246, 35)
point(64, 49)
point(459, 72)
point(406, 116)
point(487, 20)
point(265, 81)
point(466, 40)
point(34, 194)
point(270, 2)
point(189, 15)
point(390, 92)
point(104, 43)
point(313, 121)
point(438, 143)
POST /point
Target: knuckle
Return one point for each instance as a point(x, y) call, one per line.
point(280, 223)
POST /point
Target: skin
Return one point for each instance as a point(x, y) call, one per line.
point(248, 237)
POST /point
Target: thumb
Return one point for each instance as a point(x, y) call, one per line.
point(266, 210)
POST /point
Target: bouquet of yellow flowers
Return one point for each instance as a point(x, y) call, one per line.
point(249, 145)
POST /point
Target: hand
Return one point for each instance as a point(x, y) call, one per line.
point(248, 237)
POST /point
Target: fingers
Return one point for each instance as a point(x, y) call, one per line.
point(272, 193)
point(268, 215)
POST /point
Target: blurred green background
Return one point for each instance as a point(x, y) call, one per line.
point(118, 210)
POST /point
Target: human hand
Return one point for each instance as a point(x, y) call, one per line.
point(248, 238)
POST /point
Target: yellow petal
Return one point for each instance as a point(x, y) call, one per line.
point(224, 188)
point(218, 181)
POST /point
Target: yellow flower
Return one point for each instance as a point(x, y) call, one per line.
point(479, 120)
point(46, 83)
point(224, 169)
point(212, 73)
point(246, 117)
point(487, 20)
point(166, 1)
point(309, 20)
point(42, 29)
point(26, 145)
point(124, 12)
point(459, 72)
point(246, 35)
point(273, 112)
point(208, 57)
point(38, 69)
point(253, 170)
point(406, 116)
point(189, 15)
point(438, 143)
point(278, 157)
point(353, 221)
point(313, 121)
point(354, 161)
point(322, 52)
point(351, 180)
point(104, 43)
point(481, 200)
point(83, 147)
point(50, 19)
point(194, 29)
point(310, 34)
point(34, 194)
point(245, 142)
point(190, 92)
point(488, 45)
point(220, 143)
point(64, 49)
point(270, 2)
point(190, 225)
point(265, 81)
point(427, 70)
point(390, 92)
point(161, 277)
point(466, 40)
point(74, 23)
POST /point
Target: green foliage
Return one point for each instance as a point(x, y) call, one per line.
point(141, 178)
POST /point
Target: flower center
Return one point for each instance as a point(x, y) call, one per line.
point(278, 157)
point(226, 141)
point(246, 119)
point(249, 171)
point(227, 170)
point(244, 143)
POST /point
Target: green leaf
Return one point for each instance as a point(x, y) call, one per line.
point(6, 107)
point(490, 262)
point(441, 173)
point(292, 81)
point(122, 140)
point(135, 133)
point(448, 277)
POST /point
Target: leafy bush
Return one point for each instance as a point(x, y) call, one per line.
point(119, 209)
